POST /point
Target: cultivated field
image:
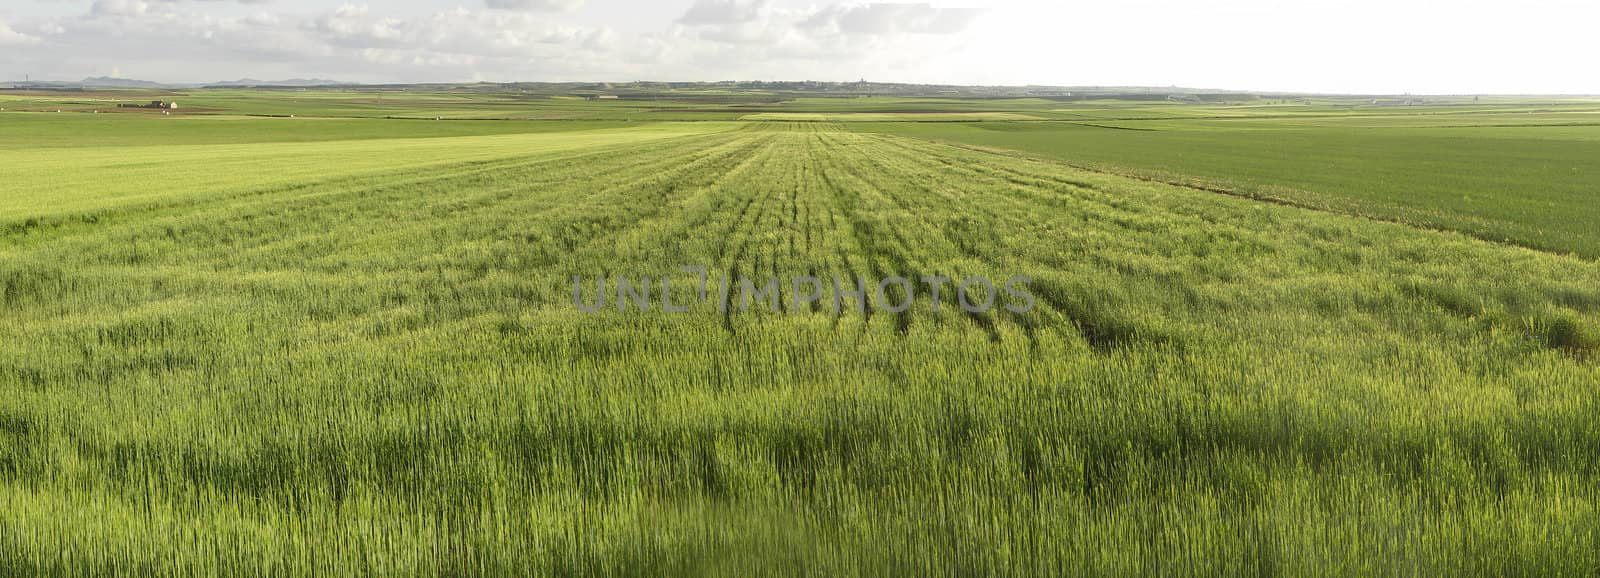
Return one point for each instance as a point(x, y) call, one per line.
point(1530, 185)
point(314, 346)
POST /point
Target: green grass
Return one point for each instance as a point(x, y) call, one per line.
point(360, 355)
point(1531, 186)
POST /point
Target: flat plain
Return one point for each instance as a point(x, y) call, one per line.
point(1281, 339)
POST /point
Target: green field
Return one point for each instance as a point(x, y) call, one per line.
point(1532, 185)
point(330, 346)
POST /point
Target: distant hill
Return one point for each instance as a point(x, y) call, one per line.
point(110, 82)
point(104, 82)
point(290, 82)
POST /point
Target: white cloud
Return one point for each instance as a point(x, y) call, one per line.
point(758, 23)
point(355, 42)
point(757, 39)
point(711, 39)
point(887, 19)
point(1477, 46)
point(534, 5)
point(262, 19)
point(704, 12)
point(9, 37)
point(122, 8)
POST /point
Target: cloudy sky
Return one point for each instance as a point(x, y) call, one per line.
point(1367, 46)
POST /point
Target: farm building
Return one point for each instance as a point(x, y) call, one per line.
point(604, 97)
point(161, 104)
